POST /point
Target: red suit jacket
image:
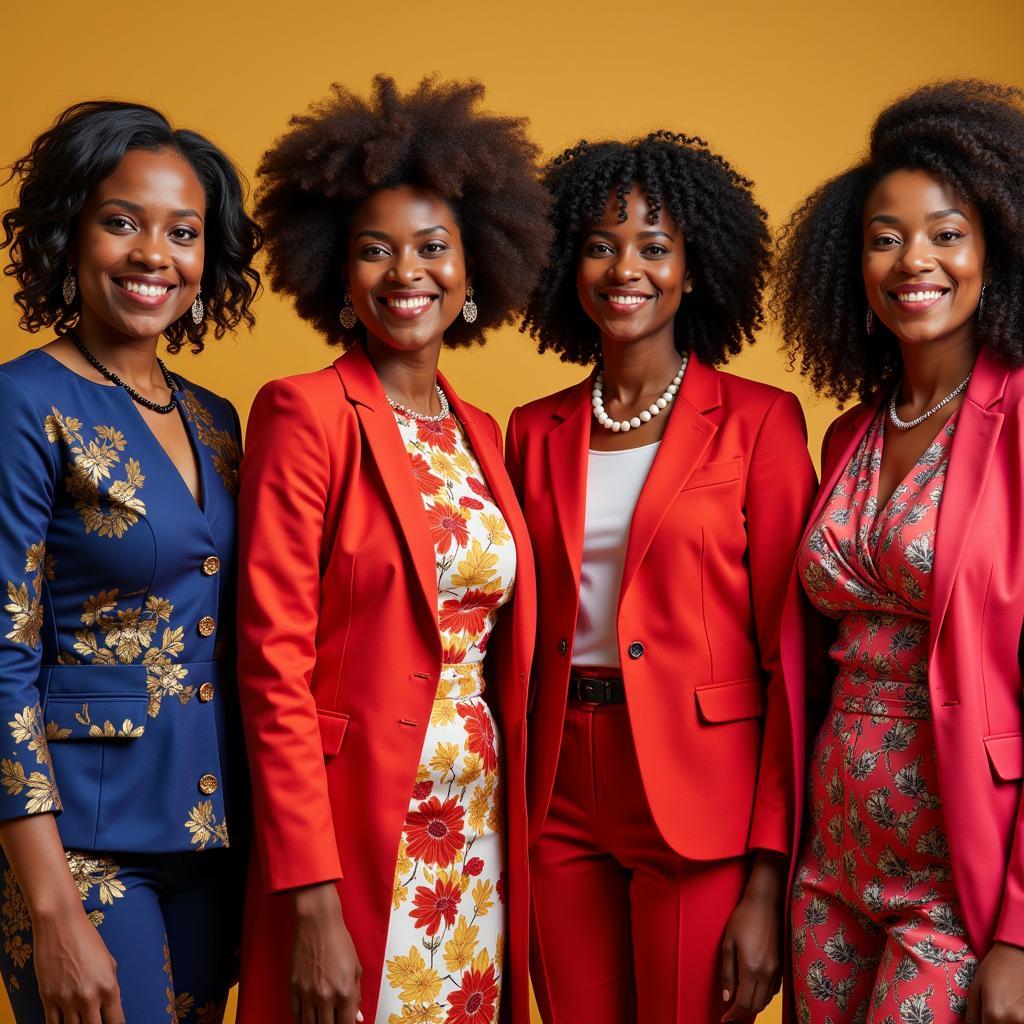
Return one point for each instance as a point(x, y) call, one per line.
point(974, 668)
point(708, 561)
point(340, 654)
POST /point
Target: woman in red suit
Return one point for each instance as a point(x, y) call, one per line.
point(383, 556)
point(909, 897)
point(664, 499)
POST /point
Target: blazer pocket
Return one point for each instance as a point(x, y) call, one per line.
point(333, 726)
point(721, 472)
point(1006, 755)
point(88, 716)
point(731, 701)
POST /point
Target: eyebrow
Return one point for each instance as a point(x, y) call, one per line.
point(136, 208)
point(885, 218)
point(384, 236)
point(642, 234)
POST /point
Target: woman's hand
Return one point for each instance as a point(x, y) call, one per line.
point(752, 946)
point(996, 995)
point(325, 969)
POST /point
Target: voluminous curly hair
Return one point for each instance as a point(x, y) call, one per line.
point(969, 134)
point(314, 178)
point(57, 175)
point(727, 242)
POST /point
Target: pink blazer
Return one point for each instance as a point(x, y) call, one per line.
point(974, 666)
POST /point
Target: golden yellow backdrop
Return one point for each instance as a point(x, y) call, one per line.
point(785, 90)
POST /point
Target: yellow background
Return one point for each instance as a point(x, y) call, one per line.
point(786, 90)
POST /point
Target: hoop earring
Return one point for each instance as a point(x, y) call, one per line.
point(70, 288)
point(470, 310)
point(869, 321)
point(197, 307)
point(348, 317)
point(981, 299)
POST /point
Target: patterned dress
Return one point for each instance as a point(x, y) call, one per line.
point(877, 931)
point(446, 937)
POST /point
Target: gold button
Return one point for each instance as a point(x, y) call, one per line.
point(207, 624)
point(211, 566)
point(206, 692)
point(208, 785)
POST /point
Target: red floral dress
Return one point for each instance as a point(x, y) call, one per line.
point(877, 931)
point(446, 937)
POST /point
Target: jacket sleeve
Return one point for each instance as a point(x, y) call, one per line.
point(284, 486)
point(780, 488)
point(28, 482)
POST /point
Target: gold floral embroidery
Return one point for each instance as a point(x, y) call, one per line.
point(210, 1013)
point(226, 453)
point(178, 1006)
point(27, 727)
point(128, 730)
point(203, 825)
point(15, 922)
point(90, 872)
point(26, 610)
point(92, 463)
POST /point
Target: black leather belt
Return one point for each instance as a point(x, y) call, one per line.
point(592, 690)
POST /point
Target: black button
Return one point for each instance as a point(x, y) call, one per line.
point(636, 649)
point(563, 645)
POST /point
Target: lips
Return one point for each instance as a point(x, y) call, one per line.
point(149, 292)
point(625, 302)
point(915, 298)
point(407, 305)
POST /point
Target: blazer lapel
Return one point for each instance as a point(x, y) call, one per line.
point(389, 455)
point(970, 460)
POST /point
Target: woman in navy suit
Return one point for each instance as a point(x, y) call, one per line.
point(121, 780)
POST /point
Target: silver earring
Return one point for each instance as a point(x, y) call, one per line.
point(197, 307)
point(469, 308)
point(348, 317)
point(981, 299)
point(69, 288)
point(870, 321)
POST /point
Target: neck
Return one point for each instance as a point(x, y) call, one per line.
point(930, 372)
point(408, 377)
point(639, 368)
point(132, 359)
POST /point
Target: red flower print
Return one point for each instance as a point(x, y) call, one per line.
point(479, 489)
point(467, 502)
point(437, 434)
point(435, 831)
point(447, 523)
point(430, 906)
point(427, 482)
point(499, 888)
point(422, 790)
point(452, 655)
point(479, 733)
point(469, 612)
point(473, 1003)
point(473, 867)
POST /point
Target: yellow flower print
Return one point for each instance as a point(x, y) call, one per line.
point(26, 609)
point(67, 430)
point(483, 896)
point(226, 453)
point(480, 804)
point(26, 728)
point(418, 1013)
point(472, 766)
point(178, 1006)
point(445, 756)
point(42, 791)
point(418, 982)
point(204, 826)
point(90, 872)
point(442, 712)
point(166, 681)
point(460, 948)
point(478, 567)
point(497, 530)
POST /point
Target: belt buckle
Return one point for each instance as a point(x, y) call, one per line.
point(595, 691)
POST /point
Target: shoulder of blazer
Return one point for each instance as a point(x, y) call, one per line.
point(751, 397)
point(552, 407)
point(316, 397)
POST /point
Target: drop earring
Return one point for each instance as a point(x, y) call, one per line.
point(869, 321)
point(197, 307)
point(70, 288)
point(470, 311)
point(981, 300)
point(348, 317)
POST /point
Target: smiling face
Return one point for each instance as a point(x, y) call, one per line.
point(632, 274)
point(138, 253)
point(406, 267)
point(923, 259)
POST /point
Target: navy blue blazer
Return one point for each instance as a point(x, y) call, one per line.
point(117, 691)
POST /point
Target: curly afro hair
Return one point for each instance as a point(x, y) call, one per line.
point(57, 175)
point(346, 148)
point(969, 134)
point(727, 242)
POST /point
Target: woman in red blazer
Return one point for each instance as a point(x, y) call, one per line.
point(664, 500)
point(383, 554)
point(909, 897)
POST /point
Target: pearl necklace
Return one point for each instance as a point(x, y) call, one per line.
point(908, 424)
point(654, 409)
point(412, 414)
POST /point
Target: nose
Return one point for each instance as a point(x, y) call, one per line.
point(917, 256)
point(152, 251)
point(624, 268)
point(405, 268)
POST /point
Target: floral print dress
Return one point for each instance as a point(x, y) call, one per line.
point(877, 932)
point(446, 937)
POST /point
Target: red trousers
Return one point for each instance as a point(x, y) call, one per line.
point(625, 929)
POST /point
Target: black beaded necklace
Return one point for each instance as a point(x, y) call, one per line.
point(172, 384)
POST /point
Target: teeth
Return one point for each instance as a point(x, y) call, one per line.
point(152, 290)
point(417, 303)
point(918, 296)
point(627, 300)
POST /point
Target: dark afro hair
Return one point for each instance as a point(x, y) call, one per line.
point(346, 148)
point(64, 165)
point(727, 242)
point(969, 134)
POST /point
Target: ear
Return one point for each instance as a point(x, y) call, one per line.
point(687, 282)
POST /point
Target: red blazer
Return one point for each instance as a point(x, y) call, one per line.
point(708, 561)
point(974, 667)
point(340, 655)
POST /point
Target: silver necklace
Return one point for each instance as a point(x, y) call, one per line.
point(412, 414)
point(654, 409)
point(908, 424)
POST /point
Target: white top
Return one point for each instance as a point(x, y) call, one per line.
point(614, 482)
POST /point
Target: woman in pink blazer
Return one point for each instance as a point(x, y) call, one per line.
point(903, 284)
